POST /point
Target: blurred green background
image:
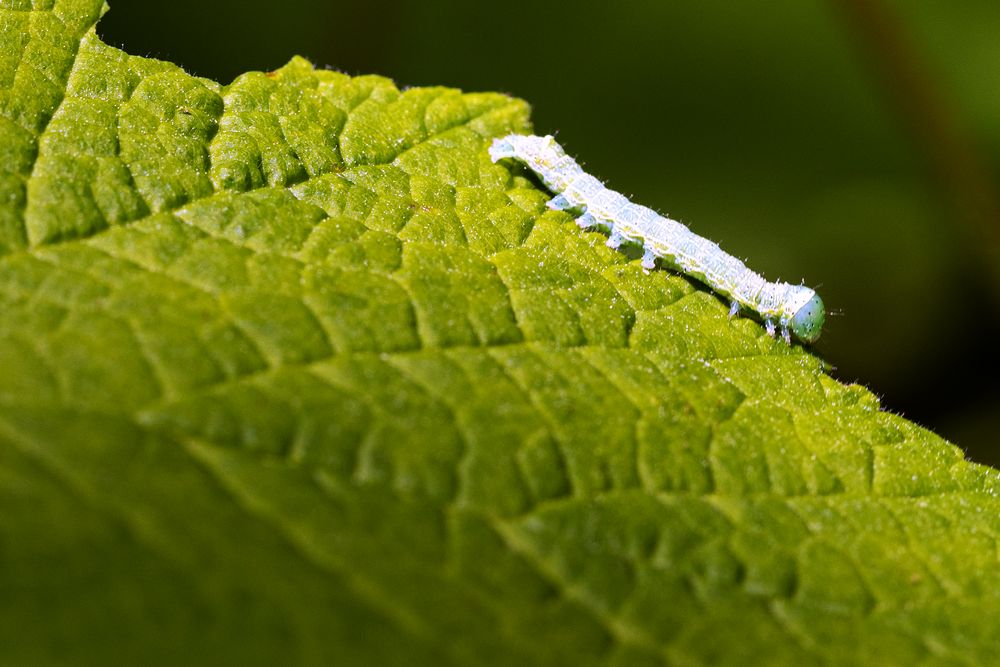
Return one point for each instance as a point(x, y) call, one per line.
point(853, 143)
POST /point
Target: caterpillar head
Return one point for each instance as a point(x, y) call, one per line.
point(807, 322)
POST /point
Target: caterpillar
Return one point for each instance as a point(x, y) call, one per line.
point(795, 309)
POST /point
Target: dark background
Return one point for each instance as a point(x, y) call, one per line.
point(855, 143)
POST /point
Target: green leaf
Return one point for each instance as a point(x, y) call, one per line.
point(291, 372)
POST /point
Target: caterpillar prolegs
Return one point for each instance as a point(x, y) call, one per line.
point(794, 309)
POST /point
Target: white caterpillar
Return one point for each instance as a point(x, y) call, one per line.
point(796, 309)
